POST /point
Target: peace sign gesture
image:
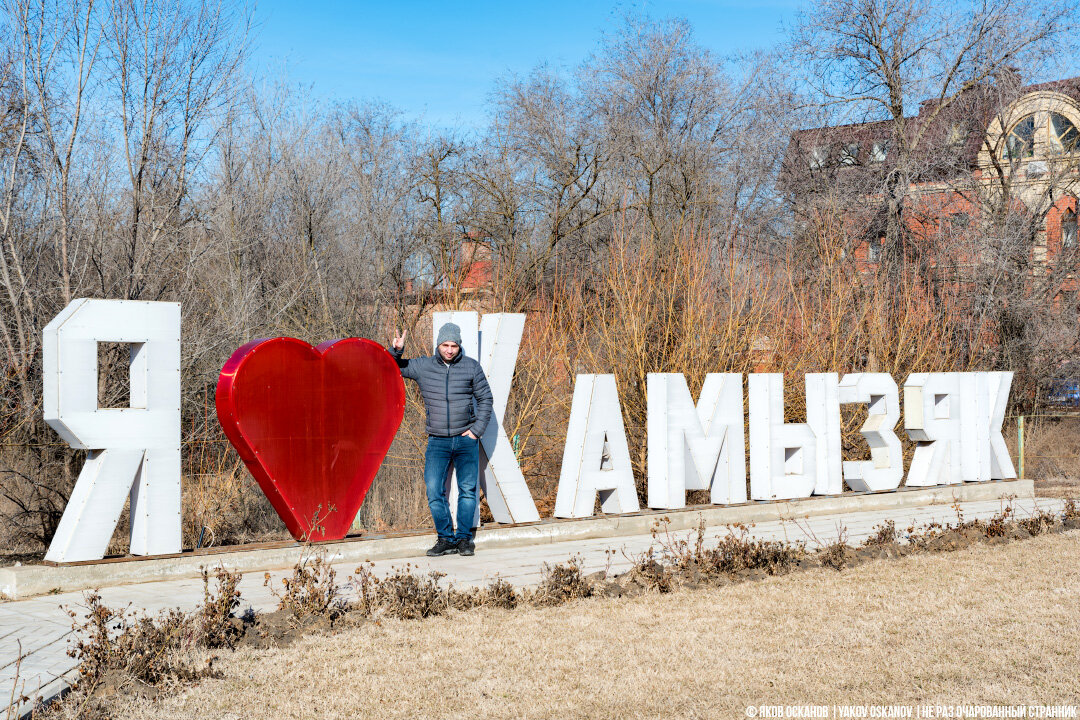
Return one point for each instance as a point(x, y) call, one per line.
point(399, 341)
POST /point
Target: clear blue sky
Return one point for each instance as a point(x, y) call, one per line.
point(439, 60)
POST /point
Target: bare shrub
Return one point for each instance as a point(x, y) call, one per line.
point(884, 534)
point(311, 591)
point(652, 573)
point(1052, 448)
point(127, 647)
point(217, 626)
point(407, 596)
point(561, 583)
point(134, 647)
point(499, 594)
point(834, 555)
point(1039, 523)
point(736, 552)
point(922, 538)
point(996, 526)
point(223, 505)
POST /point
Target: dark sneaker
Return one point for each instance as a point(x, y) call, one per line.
point(443, 547)
point(465, 547)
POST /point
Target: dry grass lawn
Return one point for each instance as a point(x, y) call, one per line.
point(991, 624)
point(1058, 487)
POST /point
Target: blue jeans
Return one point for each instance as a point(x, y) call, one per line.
point(464, 453)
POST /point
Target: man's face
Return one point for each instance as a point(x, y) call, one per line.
point(448, 350)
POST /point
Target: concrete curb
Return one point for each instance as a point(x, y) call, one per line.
point(30, 580)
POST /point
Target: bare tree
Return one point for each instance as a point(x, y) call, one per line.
point(872, 59)
point(171, 66)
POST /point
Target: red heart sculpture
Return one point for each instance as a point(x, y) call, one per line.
point(312, 425)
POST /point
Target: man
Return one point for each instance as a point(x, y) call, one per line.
point(458, 403)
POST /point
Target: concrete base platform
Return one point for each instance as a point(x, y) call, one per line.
point(30, 580)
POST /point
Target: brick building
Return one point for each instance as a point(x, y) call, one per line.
point(992, 150)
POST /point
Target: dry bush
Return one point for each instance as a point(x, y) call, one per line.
point(834, 555)
point(840, 315)
point(1002, 526)
point(499, 594)
point(561, 583)
point(1039, 523)
point(112, 640)
point(406, 595)
point(655, 304)
point(884, 534)
point(128, 649)
point(664, 305)
point(228, 507)
point(651, 573)
point(310, 592)
point(736, 552)
point(401, 594)
point(496, 594)
point(217, 626)
point(996, 526)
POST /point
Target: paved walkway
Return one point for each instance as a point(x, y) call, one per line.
point(41, 626)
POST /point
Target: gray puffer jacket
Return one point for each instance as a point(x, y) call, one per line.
point(449, 391)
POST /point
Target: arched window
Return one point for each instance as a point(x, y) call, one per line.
point(1021, 140)
point(1068, 229)
point(1063, 134)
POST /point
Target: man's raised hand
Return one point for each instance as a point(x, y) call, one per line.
point(399, 341)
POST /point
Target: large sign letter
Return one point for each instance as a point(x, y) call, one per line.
point(885, 468)
point(983, 454)
point(133, 451)
point(596, 458)
point(494, 341)
point(932, 417)
point(698, 447)
point(1001, 465)
point(783, 456)
point(823, 417)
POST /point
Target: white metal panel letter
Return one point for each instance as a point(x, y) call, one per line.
point(783, 456)
point(823, 417)
point(698, 447)
point(932, 418)
point(984, 399)
point(1001, 465)
point(974, 441)
point(885, 468)
point(596, 458)
point(134, 451)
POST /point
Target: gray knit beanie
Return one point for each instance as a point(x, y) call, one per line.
point(449, 333)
